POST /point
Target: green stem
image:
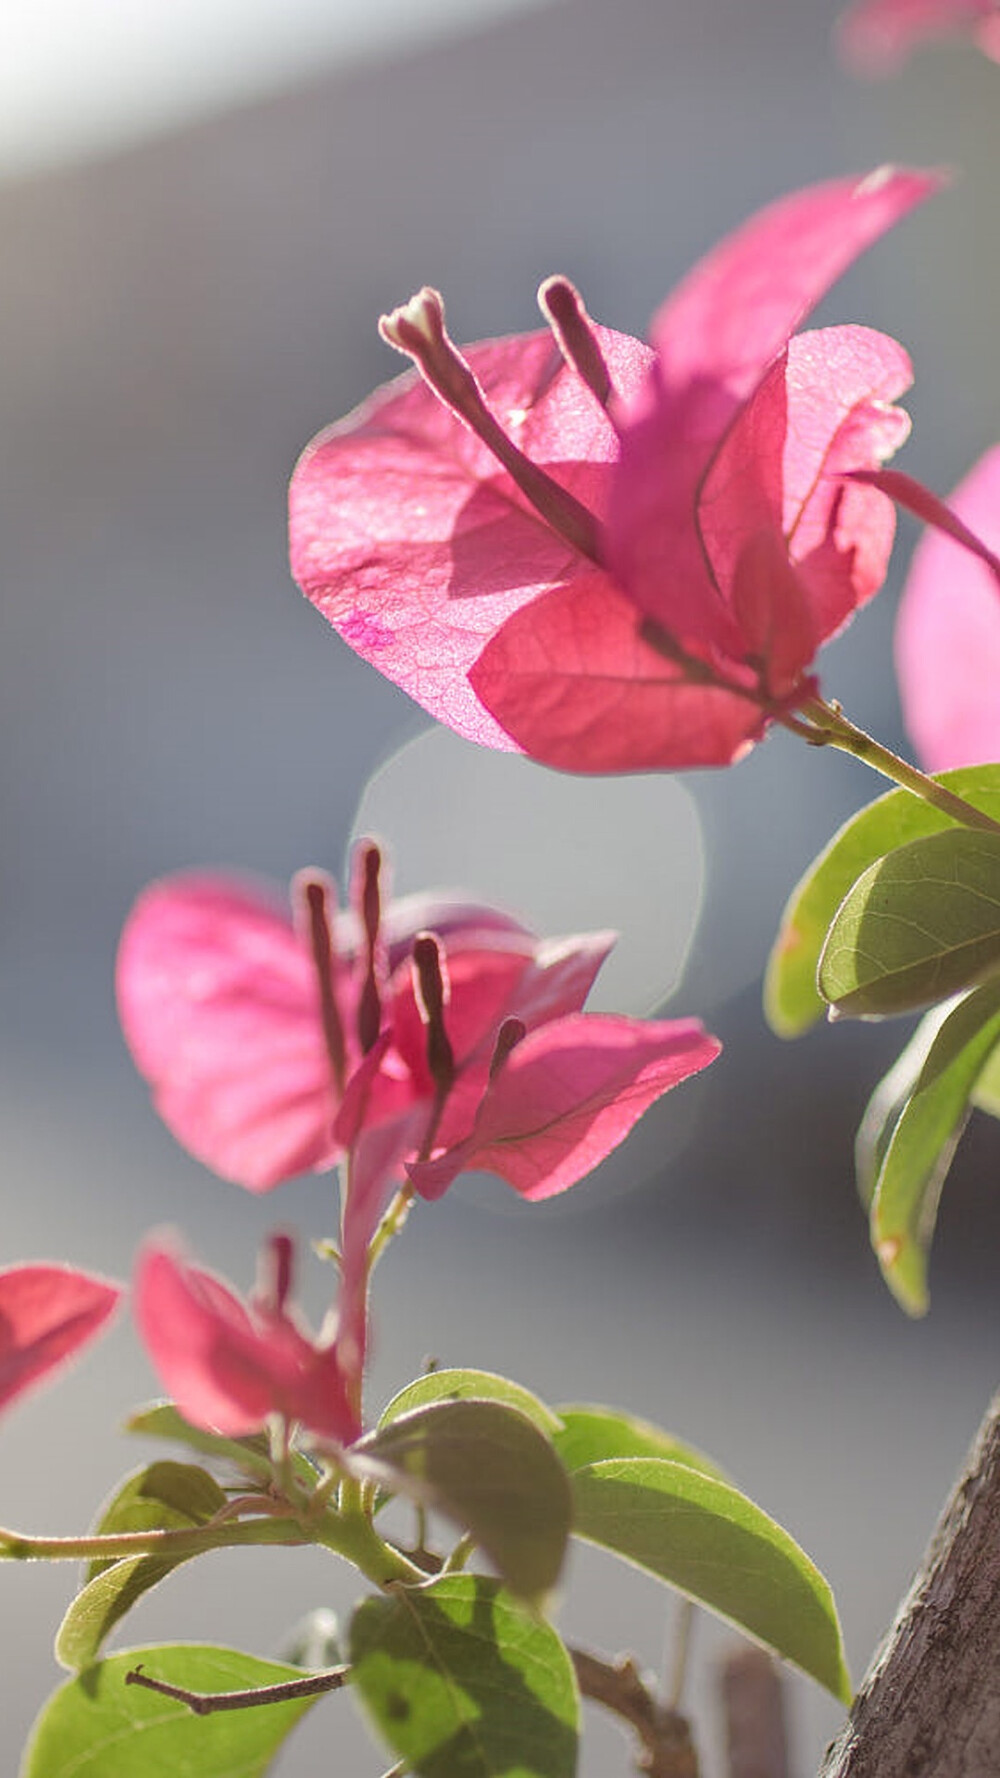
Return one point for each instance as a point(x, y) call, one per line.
point(349, 1534)
point(391, 1224)
point(352, 1535)
point(829, 727)
point(14, 1547)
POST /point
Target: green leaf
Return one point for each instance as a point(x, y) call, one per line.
point(250, 1455)
point(103, 1603)
point(918, 926)
point(463, 1682)
point(161, 1497)
point(461, 1385)
point(905, 1201)
point(885, 1107)
point(591, 1434)
point(985, 1094)
point(162, 1420)
point(792, 1001)
point(487, 1466)
point(97, 1727)
point(704, 1537)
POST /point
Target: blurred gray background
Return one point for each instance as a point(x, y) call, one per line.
point(195, 249)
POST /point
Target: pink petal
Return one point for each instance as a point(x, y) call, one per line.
point(948, 634)
point(575, 684)
point(47, 1314)
point(823, 409)
point(226, 1370)
point(927, 506)
point(481, 981)
point(735, 310)
point(492, 976)
point(413, 542)
point(429, 912)
point(559, 977)
point(842, 383)
point(770, 604)
point(715, 338)
point(219, 1005)
point(566, 1096)
point(876, 36)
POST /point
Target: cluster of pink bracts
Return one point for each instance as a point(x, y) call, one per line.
point(617, 557)
point(614, 557)
point(407, 1048)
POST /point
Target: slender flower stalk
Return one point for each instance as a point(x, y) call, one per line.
point(827, 726)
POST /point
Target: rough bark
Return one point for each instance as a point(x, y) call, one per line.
point(929, 1706)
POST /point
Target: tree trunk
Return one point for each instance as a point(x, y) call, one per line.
point(929, 1706)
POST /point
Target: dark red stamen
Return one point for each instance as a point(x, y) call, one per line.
point(562, 306)
point(510, 1034)
point(321, 942)
point(369, 897)
point(418, 330)
point(429, 981)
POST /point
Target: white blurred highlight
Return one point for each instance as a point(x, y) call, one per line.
point(564, 854)
point(84, 77)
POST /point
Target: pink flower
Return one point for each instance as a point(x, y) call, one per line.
point(274, 1044)
point(611, 557)
point(253, 1036)
point(47, 1314)
point(231, 1366)
point(250, 1023)
point(876, 36)
point(948, 629)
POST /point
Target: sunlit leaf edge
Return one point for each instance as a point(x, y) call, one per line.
point(685, 1485)
point(910, 1180)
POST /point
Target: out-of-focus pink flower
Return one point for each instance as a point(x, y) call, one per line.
point(230, 1365)
point(228, 1004)
point(948, 629)
point(47, 1315)
point(248, 1037)
point(614, 558)
point(876, 36)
